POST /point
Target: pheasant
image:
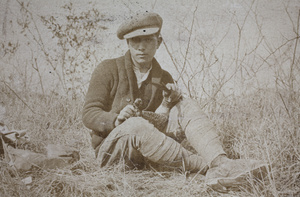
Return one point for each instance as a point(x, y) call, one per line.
point(159, 121)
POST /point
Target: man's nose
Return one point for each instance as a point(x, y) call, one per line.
point(142, 45)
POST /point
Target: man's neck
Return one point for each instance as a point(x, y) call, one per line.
point(143, 68)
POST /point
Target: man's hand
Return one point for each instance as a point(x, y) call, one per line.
point(127, 112)
point(171, 97)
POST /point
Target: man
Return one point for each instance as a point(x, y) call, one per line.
point(110, 113)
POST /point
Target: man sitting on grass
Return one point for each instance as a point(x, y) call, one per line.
point(118, 132)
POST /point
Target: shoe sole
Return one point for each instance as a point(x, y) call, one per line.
point(224, 185)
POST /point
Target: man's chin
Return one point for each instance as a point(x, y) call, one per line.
point(142, 61)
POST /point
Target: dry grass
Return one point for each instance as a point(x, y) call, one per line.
point(254, 126)
point(258, 126)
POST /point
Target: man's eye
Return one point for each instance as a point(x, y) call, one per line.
point(149, 39)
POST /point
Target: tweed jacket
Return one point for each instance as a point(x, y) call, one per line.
point(113, 86)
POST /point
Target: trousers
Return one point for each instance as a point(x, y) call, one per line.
point(136, 140)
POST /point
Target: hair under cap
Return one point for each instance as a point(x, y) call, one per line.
point(140, 25)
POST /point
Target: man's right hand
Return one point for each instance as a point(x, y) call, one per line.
point(127, 112)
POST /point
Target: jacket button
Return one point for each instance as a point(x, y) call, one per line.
point(128, 100)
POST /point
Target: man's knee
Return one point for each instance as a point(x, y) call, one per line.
point(190, 108)
point(136, 126)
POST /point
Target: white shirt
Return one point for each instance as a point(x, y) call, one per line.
point(141, 77)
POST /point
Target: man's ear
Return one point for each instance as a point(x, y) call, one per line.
point(159, 40)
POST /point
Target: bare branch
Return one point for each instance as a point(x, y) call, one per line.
point(18, 96)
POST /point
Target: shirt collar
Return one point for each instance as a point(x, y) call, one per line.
point(141, 77)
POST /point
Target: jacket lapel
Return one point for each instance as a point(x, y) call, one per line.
point(156, 73)
point(133, 87)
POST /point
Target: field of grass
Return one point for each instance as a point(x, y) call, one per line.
point(250, 92)
point(255, 126)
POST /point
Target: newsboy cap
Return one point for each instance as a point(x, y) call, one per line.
point(140, 25)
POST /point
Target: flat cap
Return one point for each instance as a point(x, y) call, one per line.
point(140, 25)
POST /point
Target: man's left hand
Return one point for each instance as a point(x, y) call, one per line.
point(172, 97)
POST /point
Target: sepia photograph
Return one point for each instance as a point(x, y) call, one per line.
point(150, 98)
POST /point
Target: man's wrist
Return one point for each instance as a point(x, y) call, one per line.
point(117, 122)
point(166, 104)
point(162, 110)
point(171, 104)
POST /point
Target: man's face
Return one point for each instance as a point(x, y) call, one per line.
point(143, 48)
